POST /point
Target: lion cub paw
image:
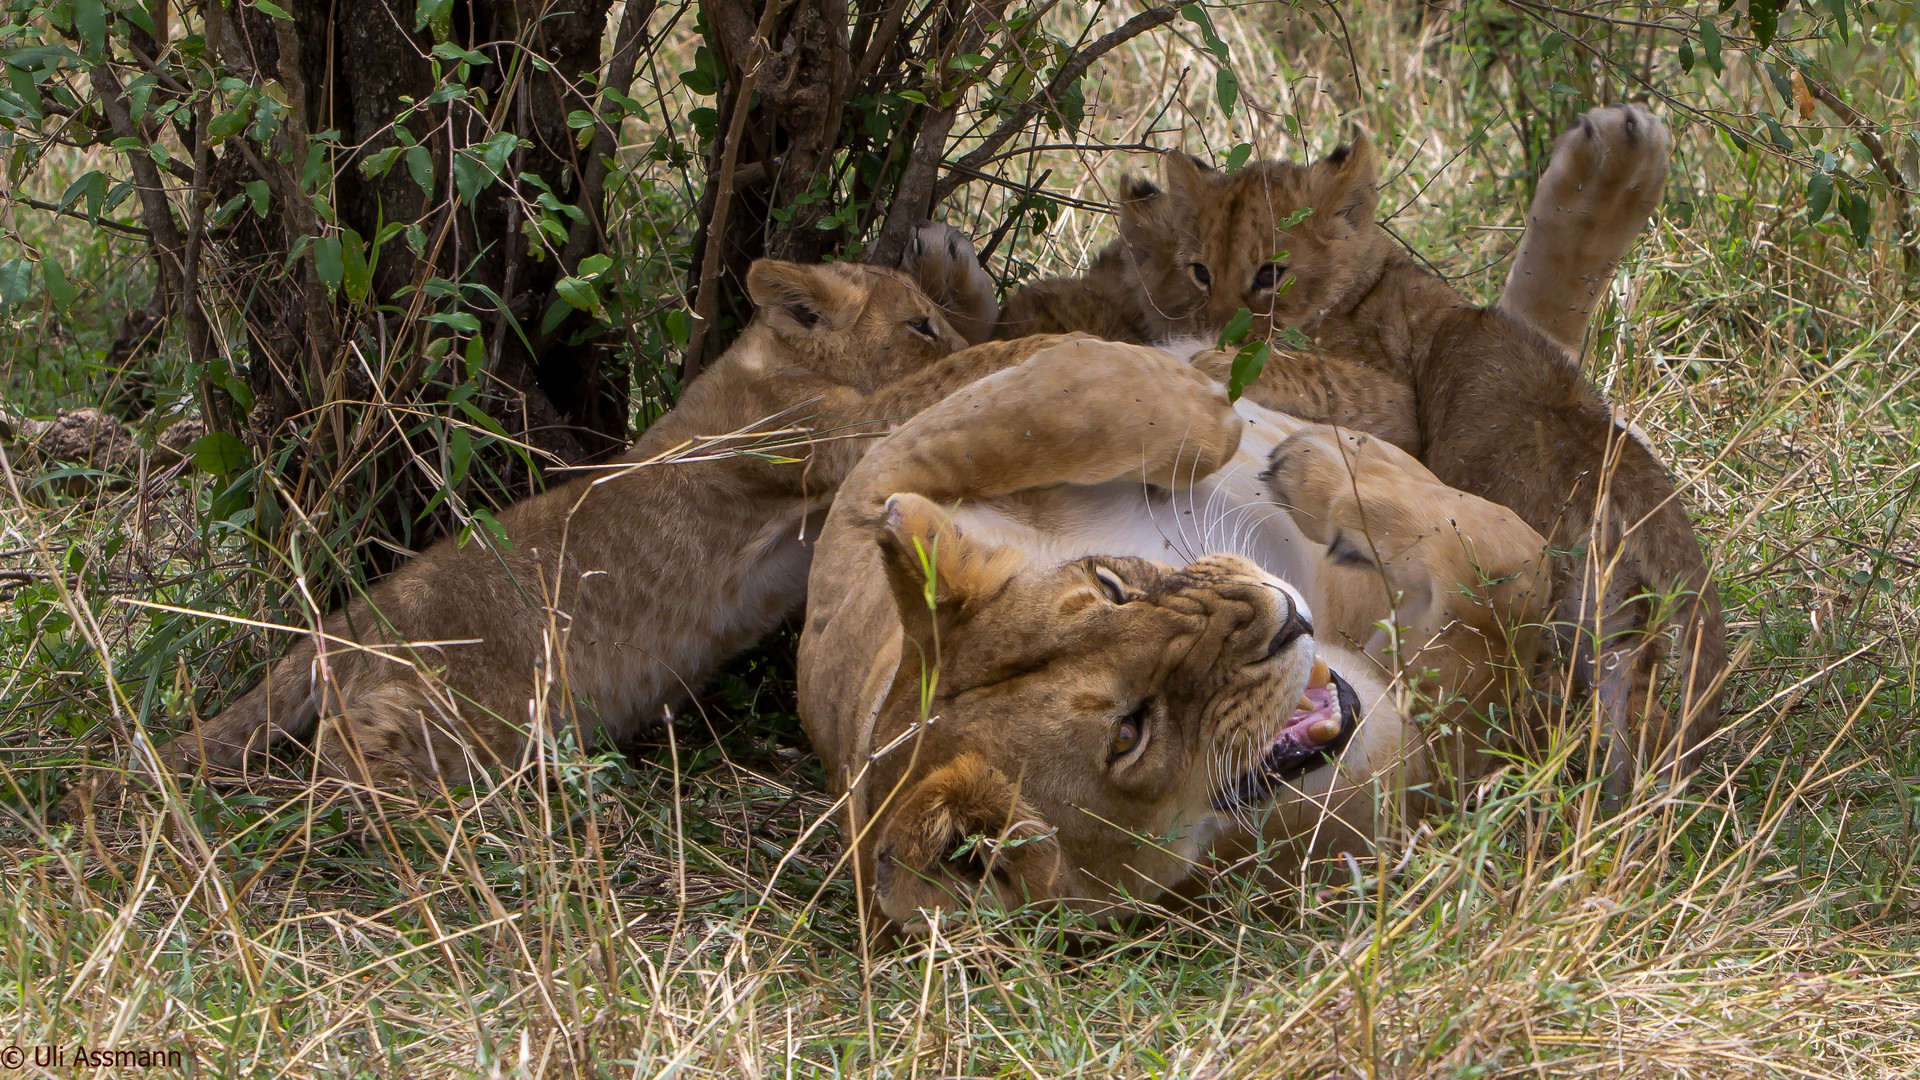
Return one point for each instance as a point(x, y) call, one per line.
point(946, 266)
point(1604, 180)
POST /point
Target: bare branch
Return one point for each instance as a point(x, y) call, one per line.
point(1069, 73)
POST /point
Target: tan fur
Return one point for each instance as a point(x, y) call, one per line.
point(1483, 398)
point(1507, 415)
point(614, 597)
point(963, 681)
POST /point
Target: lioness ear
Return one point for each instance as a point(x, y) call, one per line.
point(795, 299)
point(963, 826)
point(1343, 184)
point(935, 570)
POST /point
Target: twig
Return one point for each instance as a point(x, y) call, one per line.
point(705, 299)
point(1069, 73)
point(1867, 132)
point(593, 175)
point(64, 211)
point(154, 210)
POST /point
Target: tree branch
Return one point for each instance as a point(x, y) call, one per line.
point(1868, 133)
point(706, 295)
point(155, 211)
point(1069, 73)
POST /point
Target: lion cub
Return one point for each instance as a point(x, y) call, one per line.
point(615, 596)
point(1502, 412)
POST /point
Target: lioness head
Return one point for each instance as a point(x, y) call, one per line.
point(1078, 730)
point(862, 326)
point(1284, 241)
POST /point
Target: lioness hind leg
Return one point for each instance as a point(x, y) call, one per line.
point(1601, 186)
point(942, 260)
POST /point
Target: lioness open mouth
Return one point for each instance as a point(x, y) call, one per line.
point(1319, 728)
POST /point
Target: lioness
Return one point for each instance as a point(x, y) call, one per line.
point(1479, 395)
point(1030, 667)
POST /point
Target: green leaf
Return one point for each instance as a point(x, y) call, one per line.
point(1686, 56)
point(593, 266)
point(16, 283)
point(579, 293)
point(420, 167)
point(1764, 17)
point(228, 124)
point(1859, 214)
point(327, 261)
point(377, 164)
point(258, 193)
point(1839, 10)
point(28, 91)
point(1197, 15)
point(1710, 44)
point(476, 356)
point(219, 453)
point(459, 453)
point(1237, 329)
point(1226, 89)
point(679, 327)
point(93, 186)
point(1819, 195)
point(64, 292)
point(434, 13)
point(356, 275)
point(462, 321)
point(274, 10)
point(90, 22)
point(1247, 366)
point(1238, 156)
point(470, 175)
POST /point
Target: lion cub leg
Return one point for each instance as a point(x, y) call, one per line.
point(1600, 188)
point(943, 261)
point(1464, 580)
point(397, 735)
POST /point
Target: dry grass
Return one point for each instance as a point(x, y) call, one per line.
point(673, 912)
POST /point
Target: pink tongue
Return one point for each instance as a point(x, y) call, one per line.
point(1323, 708)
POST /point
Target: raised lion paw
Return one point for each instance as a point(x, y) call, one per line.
point(1605, 178)
point(943, 261)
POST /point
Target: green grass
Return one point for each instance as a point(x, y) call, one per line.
point(675, 910)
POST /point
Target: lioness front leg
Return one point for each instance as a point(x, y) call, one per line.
point(1602, 184)
point(942, 259)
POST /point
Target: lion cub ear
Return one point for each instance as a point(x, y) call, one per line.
point(1343, 185)
point(934, 568)
point(795, 299)
point(962, 827)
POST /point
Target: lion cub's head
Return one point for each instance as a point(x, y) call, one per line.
point(1284, 241)
point(862, 326)
point(1094, 724)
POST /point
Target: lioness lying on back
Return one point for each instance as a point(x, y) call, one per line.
point(1478, 395)
point(1063, 641)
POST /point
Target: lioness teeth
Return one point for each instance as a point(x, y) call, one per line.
point(1321, 675)
point(1306, 704)
point(1324, 730)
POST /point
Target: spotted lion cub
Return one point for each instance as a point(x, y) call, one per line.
point(1489, 399)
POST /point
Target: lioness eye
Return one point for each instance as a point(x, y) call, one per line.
point(923, 325)
point(1200, 274)
point(1111, 584)
point(1126, 736)
point(1268, 277)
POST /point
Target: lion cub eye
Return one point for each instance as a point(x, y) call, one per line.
point(1111, 584)
point(923, 326)
point(1201, 276)
point(1268, 276)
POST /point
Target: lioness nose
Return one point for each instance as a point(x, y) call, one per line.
point(1291, 630)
